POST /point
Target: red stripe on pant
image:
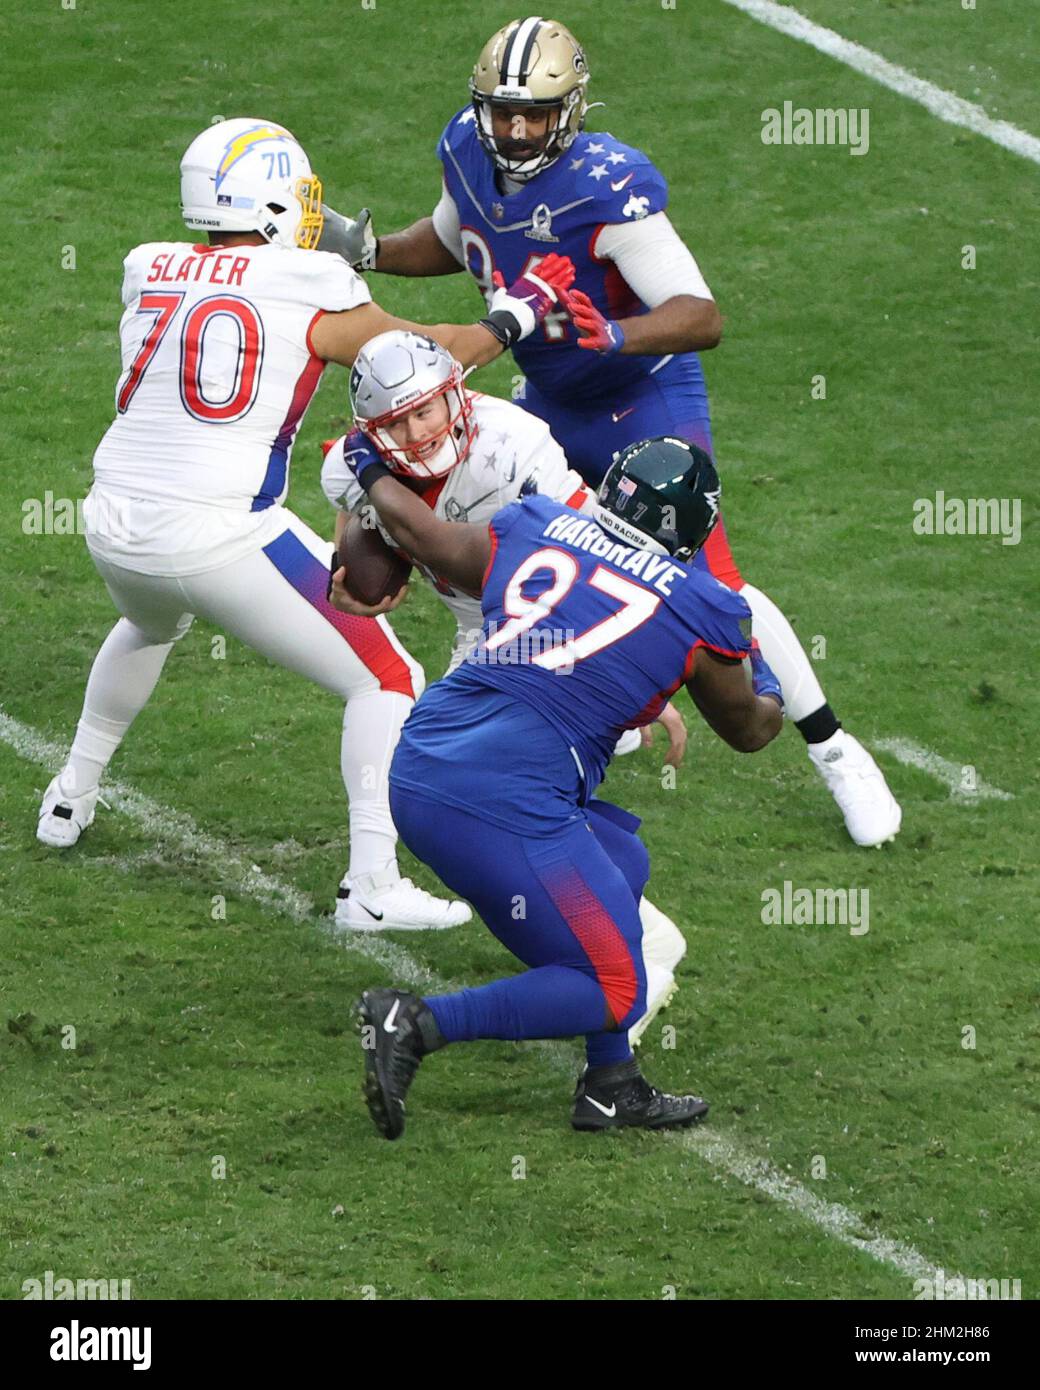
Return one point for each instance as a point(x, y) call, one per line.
point(719, 558)
point(365, 636)
point(599, 937)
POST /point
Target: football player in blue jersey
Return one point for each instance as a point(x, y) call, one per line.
point(590, 625)
point(522, 178)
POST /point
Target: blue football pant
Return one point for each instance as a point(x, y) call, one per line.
point(566, 905)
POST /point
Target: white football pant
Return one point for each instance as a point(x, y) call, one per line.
point(274, 601)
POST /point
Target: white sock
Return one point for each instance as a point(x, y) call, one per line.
point(828, 745)
point(371, 728)
point(802, 692)
point(123, 676)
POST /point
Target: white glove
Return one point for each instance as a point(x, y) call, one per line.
point(349, 237)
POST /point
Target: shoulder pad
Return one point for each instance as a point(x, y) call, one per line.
point(458, 131)
point(625, 183)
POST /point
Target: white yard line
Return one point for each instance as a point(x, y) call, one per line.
point(835, 1220)
point(196, 846)
point(952, 109)
point(952, 775)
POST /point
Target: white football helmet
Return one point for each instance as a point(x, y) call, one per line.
point(394, 374)
point(250, 175)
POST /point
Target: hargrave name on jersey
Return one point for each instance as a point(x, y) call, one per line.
point(583, 534)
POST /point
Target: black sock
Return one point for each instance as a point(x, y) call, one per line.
point(818, 726)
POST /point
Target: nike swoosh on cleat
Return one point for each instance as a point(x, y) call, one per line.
point(617, 187)
point(388, 1022)
point(377, 915)
point(609, 1113)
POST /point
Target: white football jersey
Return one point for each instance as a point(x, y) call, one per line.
point(513, 452)
point(218, 371)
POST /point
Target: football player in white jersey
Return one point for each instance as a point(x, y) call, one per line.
point(467, 455)
point(223, 346)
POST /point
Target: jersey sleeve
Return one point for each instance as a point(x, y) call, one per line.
point(135, 265)
point(628, 185)
point(719, 616)
point(323, 280)
point(338, 483)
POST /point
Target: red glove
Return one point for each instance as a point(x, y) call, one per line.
point(518, 310)
point(601, 334)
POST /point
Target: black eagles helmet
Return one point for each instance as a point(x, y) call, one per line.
point(663, 488)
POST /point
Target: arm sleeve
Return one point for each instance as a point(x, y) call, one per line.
point(447, 226)
point(653, 259)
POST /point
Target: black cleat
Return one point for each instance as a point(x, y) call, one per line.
point(611, 1097)
point(397, 1030)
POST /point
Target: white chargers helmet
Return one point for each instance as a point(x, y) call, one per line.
point(249, 175)
point(398, 372)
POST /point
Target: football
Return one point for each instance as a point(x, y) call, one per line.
point(374, 570)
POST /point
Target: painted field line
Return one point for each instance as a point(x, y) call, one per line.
point(196, 846)
point(948, 107)
point(950, 774)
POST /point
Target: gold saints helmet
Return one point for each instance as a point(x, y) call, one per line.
point(537, 65)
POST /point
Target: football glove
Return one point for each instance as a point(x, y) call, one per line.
point(362, 458)
point(349, 237)
point(601, 334)
point(518, 310)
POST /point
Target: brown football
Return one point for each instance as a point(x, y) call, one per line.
point(374, 571)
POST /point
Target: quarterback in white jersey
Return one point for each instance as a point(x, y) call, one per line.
point(508, 452)
point(223, 346)
point(467, 455)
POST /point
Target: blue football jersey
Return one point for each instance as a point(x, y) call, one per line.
point(598, 182)
point(591, 634)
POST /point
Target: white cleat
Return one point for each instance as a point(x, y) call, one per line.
point(63, 819)
point(385, 901)
point(663, 948)
point(629, 742)
point(872, 814)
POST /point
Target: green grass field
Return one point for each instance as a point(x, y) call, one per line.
point(201, 1038)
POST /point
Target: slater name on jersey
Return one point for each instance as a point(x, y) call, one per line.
point(204, 265)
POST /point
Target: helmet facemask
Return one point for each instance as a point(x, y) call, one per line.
point(547, 148)
point(299, 224)
point(443, 450)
